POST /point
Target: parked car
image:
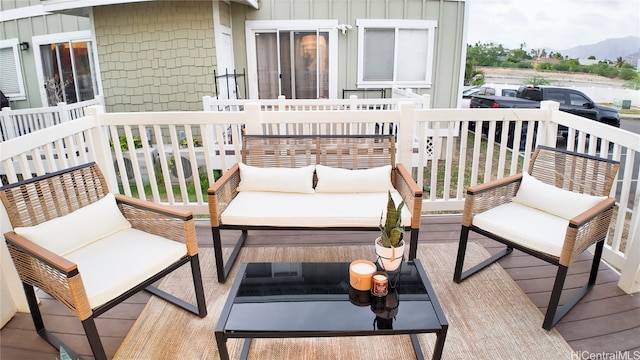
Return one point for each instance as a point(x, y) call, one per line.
point(492, 89)
point(529, 97)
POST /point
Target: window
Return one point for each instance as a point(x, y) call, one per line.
point(68, 70)
point(292, 58)
point(11, 82)
point(578, 100)
point(395, 52)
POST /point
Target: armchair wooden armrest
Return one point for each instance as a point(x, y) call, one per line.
point(170, 223)
point(222, 192)
point(410, 191)
point(586, 229)
point(50, 272)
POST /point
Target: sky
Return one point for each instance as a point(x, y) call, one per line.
point(551, 24)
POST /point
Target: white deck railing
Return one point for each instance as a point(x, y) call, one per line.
point(15, 123)
point(208, 143)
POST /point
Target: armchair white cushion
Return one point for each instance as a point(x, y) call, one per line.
point(290, 180)
point(337, 180)
point(522, 225)
point(563, 203)
point(112, 265)
point(79, 228)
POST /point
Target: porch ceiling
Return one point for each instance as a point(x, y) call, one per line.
point(82, 7)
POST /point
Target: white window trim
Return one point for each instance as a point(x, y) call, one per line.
point(253, 26)
point(84, 35)
point(363, 24)
point(13, 43)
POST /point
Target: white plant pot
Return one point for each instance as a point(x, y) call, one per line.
point(389, 258)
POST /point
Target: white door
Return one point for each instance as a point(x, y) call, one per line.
point(227, 86)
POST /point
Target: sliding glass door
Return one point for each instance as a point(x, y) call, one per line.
point(293, 58)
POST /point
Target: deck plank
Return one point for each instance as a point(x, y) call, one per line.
point(605, 321)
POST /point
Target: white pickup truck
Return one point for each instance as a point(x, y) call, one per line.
point(491, 89)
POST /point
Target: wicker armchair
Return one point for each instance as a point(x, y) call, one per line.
point(554, 212)
point(91, 277)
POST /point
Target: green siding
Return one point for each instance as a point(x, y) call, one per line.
point(156, 56)
point(448, 37)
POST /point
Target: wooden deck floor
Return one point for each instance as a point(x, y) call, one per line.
point(606, 321)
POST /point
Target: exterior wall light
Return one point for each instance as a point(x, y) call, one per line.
point(24, 46)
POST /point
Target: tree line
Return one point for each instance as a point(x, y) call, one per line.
point(495, 55)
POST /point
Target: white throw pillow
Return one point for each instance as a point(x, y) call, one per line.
point(337, 180)
point(290, 180)
point(68, 233)
point(563, 203)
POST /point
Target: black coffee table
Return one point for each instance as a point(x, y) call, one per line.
point(288, 300)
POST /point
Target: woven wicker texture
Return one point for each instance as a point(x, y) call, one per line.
point(567, 170)
point(349, 152)
point(480, 312)
point(40, 199)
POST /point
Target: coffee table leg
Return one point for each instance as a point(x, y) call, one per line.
point(221, 341)
point(440, 337)
point(416, 347)
point(245, 348)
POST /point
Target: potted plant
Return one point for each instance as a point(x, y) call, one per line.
point(390, 246)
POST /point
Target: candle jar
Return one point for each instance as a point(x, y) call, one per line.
point(380, 283)
point(360, 272)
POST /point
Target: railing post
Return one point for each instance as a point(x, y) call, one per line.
point(253, 118)
point(63, 112)
point(548, 130)
point(282, 101)
point(630, 274)
point(101, 150)
point(353, 102)
point(9, 129)
point(206, 103)
point(405, 134)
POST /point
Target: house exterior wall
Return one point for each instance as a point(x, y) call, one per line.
point(449, 35)
point(24, 28)
point(155, 56)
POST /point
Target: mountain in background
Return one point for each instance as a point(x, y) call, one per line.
point(628, 48)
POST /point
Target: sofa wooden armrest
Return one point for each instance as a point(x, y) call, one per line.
point(410, 191)
point(222, 192)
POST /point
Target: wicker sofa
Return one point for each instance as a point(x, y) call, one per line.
point(330, 182)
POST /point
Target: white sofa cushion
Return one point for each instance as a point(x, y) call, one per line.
point(67, 233)
point(535, 229)
point(554, 200)
point(310, 210)
point(117, 263)
point(337, 180)
point(296, 180)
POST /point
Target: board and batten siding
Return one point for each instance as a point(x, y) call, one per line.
point(449, 36)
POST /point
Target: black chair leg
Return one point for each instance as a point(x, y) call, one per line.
point(90, 329)
point(36, 316)
point(555, 312)
point(224, 270)
point(458, 274)
point(413, 248)
point(197, 283)
point(38, 323)
point(462, 250)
